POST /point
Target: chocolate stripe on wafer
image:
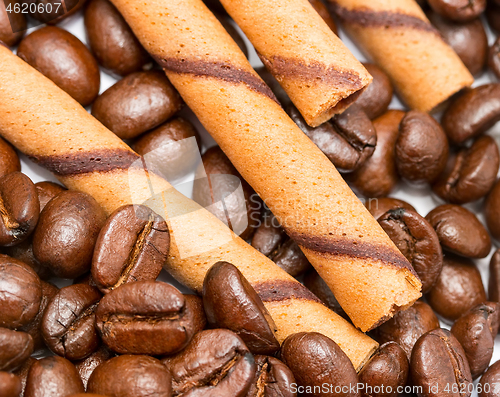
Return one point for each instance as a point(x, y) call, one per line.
point(281, 290)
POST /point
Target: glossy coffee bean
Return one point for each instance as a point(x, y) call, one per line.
point(65, 60)
point(492, 211)
point(378, 176)
point(458, 10)
point(22, 372)
point(472, 113)
point(86, 366)
point(272, 379)
point(318, 287)
point(290, 258)
point(24, 252)
point(494, 278)
point(137, 103)
point(323, 12)
point(493, 15)
point(225, 21)
point(378, 207)
point(231, 302)
point(386, 371)
point(269, 235)
point(470, 173)
point(407, 326)
point(489, 385)
point(275, 87)
point(9, 160)
point(458, 288)
point(494, 57)
point(438, 361)
point(12, 25)
point(421, 147)
point(55, 11)
point(47, 191)
point(375, 98)
point(223, 366)
point(66, 233)
point(10, 385)
point(53, 376)
point(459, 231)
point(15, 348)
point(20, 293)
point(132, 246)
point(417, 241)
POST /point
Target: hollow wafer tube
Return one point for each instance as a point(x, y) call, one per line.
point(399, 38)
point(51, 128)
point(369, 276)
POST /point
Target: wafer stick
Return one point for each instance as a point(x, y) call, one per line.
point(399, 38)
point(366, 272)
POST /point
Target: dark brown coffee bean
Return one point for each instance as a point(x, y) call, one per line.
point(68, 325)
point(380, 206)
point(272, 379)
point(494, 278)
point(316, 360)
point(492, 211)
point(231, 302)
point(10, 385)
point(225, 21)
point(86, 366)
point(470, 173)
point(137, 103)
point(47, 191)
point(53, 376)
point(459, 231)
point(417, 241)
point(494, 57)
point(375, 98)
point(421, 147)
point(66, 233)
point(407, 326)
point(269, 235)
point(323, 12)
point(24, 252)
point(386, 371)
point(458, 10)
point(378, 176)
point(195, 312)
point(493, 15)
point(457, 289)
point(12, 24)
point(489, 385)
point(472, 113)
point(318, 287)
point(9, 160)
point(65, 60)
point(224, 366)
point(54, 11)
point(23, 370)
point(438, 361)
point(132, 246)
point(276, 88)
point(20, 293)
point(290, 258)
point(15, 348)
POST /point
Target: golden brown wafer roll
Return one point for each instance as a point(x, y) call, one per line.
point(56, 132)
point(369, 276)
point(317, 71)
point(399, 38)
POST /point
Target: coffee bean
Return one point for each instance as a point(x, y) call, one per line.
point(318, 287)
point(438, 361)
point(12, 25)
point(24, 252)
point(272, 379)
point(489, 385)
point(269, 235)
point(20, 293)
point(9, 160)
point(421, 147)
point(290, 258)
point(195, 312)
point(22, 372)
point(276, 88)
point(417, 241)
point(386, 371)
point(10, 385)
point(407, 326)
point(378, 207)
point(323, 12)
point(66, 233)
point(224, 366)
point(492, 14)
point(316, 360)
point(492, 210)
point(46, 191)
point(15, 349)
point(132, 246)
point(235, 35)
point(470, 173)
point(86, 366)
point(53, 376)
point(458, 10)
point(375, 99)
point(54, 11)
point(137, 103)
point(472, 113)
point(231, 302)
point(457, 289)
point(459, 231)
point(494, 278)
point(65, 60)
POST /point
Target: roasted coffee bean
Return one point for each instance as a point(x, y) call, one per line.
point(20, 293)
point(323, 12)
point(132, 246)
point(457, 289)
point(220, 193)
point(24, 252)
point(458, 10)
point(489, 385)
point(9, 160)
point(417, 241)
point(470, 173)
point(86, 366)
point(386, 371)
point(375, 98)
point(66, 233)
point(472, 113)
point(54, 11)
point(316, 360)
point(459, 231)
point(224, 366)
point(493, 15)
point(12, 24)
point(15, 349)
point(269, 235)
point(68, 325)
point(380, 206)
point(467, 39)
point(272, 379)
point(492, 210)
point(231, 302)
point(276, 88)
point(196, 313)
point(47, 191)
point(10, 385)
point(318, 287)
point(53, 376)
point(145, 317)
point(225, 21)
point(290, 258)
point(438, 361)
point(407, 326)
point(23, 370)
point(378, 176)
point(421, 147)
point(112, 41)
point(65, 60)
point(494, 278)
point(137, 103)
point(473, 331)
point(494, 57)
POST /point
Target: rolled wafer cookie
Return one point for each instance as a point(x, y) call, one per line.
point(317, 71)
point(51, 128)
point(368, 275)
point(399, 38)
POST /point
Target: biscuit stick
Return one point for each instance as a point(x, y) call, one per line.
point(368, 275)
point(51, 128)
